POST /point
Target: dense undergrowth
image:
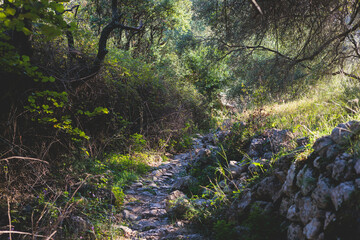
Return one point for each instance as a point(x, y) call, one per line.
point(76, 128)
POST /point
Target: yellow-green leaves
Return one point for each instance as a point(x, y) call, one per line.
point(50, 31)
point(9, 11)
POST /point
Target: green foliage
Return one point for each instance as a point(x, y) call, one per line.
point(183, 141)
point(205, 72)
point(224, 230)
point(23, 18)
point(238, 141)
point(49, 107)
point(263, 225)
point(137, 142)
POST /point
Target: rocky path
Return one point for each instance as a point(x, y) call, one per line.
point(145, 203)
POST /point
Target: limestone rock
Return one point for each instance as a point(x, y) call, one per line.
point(81, 228)
point(245, 200)
point(306, 180)
point(307, 210)
point(269, 189)
point(279, 138)
point(236, 168)
point(332, 151)
point(357, 166)
point(312, 229)
point(177, 203)
point(183, 183)
point(339, 168)
point(256, 147)
point(322, 144)
point(293, 213)
point(295, 232)
point(316, 162)
point(126, 232)
point(329, 217)
point(345, 131)
point(288, 186)
point(129, 215)
point(284, 206)
point(341, 193)
point(321, 194)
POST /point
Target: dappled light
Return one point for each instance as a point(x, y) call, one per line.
point(180, 119)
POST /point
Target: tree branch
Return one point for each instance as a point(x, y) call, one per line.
point(327, 43)
point(105, 33)
point(262, 48)
point(26, 158)
point(346, 74)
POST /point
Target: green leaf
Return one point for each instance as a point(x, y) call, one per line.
point(25, 58)
point(50, 31)
point(10, 11)
point(59, 8)
point(26, 31)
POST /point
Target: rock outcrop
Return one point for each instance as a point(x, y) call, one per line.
point(313, 195)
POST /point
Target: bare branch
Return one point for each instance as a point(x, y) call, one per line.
point(327, 43)
point(346, 74)
point(21, 233)
point(257, 6)
point(26, 158)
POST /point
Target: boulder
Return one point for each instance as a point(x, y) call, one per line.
point(245, 200)
point(343, 132)
point(295, 232)
point(333, 151)
point(312, 229)
point(183, 183)
point(177, 204)
point(236, 168)
point(322, 144)
point(357, 166)
point(256, 147)
point(307, 210)
point(329, 218)
point(284, 206)
point(288, 186)
point(341, 193)
point(339, 168)
point(81, 228)
point(268, 189)
point(302, 141)
point(279, 138)
point(321, 194)
point(293, 213)
point(306, 180)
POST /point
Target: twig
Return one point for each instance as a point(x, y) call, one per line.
point(51, 235)
point(21, 233)
point(20, 157)
point(9, 216)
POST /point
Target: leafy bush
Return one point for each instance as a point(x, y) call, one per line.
point(224, 230)
point(263, 225)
